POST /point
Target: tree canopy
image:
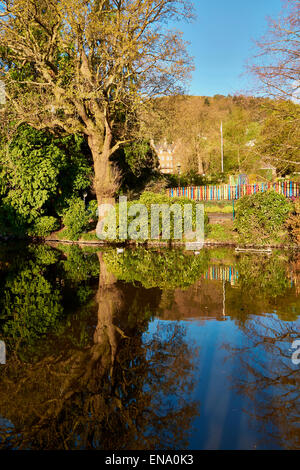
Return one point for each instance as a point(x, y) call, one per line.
point(87, 67)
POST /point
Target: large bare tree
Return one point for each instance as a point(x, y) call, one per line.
point(277, 63)
point(277, 70)
point(87, 66)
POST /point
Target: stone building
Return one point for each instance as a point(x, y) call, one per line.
point(166, 156)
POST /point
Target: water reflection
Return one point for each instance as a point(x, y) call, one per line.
point(114, 392)
point(268, 377)
point(123, 351)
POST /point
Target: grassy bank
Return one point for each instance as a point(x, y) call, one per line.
point(222, 207)
point(218, 234)
point(264, 219)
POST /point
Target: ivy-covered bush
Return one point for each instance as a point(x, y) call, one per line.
point(39, 174)
point(261, 217)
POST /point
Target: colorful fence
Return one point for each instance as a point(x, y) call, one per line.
point(230, 274)
point(221, 273)
point(227, 192)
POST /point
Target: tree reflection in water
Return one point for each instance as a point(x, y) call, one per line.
point(268, 377)
point(86, 370)
point(124, 390)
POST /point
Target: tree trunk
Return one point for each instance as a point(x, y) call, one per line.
point(107, 336)
point(109, 303)
point(200, 165)
point(105, 181)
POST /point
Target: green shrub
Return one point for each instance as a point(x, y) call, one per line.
point(76, 219)
point(92, 209)
point(43, 226)
point(261, 217)
point(12, 224)
point(293, 223)
point(41, 173)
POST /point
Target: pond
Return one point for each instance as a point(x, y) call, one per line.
point(148, 349)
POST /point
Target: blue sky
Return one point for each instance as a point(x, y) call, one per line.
point(222, 41)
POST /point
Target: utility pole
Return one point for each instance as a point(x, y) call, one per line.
point(222, 149)
point(178, 171)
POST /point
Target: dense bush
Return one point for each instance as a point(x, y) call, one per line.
point(261, 217)
point(92, 209)
point(43, 226)
point(76, 219)
point(293, 223)
point(138, 164)
point(39, 174)
point(11, 223)
point(157, 185)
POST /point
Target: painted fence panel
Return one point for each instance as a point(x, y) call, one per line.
point(227, 192)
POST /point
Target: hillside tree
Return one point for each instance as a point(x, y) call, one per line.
point(277, 70)
point(277, 62)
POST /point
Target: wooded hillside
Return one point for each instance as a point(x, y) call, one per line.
point(255, 130)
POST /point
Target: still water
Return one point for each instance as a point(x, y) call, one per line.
point(145, 349)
